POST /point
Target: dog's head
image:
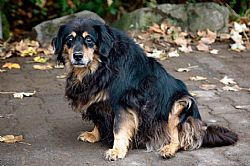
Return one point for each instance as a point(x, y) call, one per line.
point(85, 40)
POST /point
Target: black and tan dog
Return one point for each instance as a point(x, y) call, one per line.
point(131, 99)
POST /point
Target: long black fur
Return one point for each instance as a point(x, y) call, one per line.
point(131, 80)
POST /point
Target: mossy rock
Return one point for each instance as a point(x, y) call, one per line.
point(45, 31)
point(191, 17)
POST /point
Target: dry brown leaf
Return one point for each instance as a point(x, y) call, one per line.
point(208, 86)
point(208, 37)
point(224, 36)
point(226, 81)
point(11, 65)
point(43, 67)
point(5, 55)
point(202, 47)
point(181, 41)
point(198, 78)
point(46, 51)
point(201, 33)
point(164, 26)
point(156, 28)
point(234, 88)
point(185, 48)
point(247, 44)
point(11, 138)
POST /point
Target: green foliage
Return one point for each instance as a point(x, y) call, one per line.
point(98, 6)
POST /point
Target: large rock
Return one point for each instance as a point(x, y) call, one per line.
point(191, 17)
point(45, 31)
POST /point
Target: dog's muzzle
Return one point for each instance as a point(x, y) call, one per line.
point(79, 60)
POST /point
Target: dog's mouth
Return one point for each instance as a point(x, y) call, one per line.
point(79, 65)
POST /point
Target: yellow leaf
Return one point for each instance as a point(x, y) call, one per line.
point(11, 138)
point(42, 67)
point(28, 52)
point(40, 59)
point(11, 65)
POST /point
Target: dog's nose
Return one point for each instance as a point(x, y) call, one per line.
point(77, 56)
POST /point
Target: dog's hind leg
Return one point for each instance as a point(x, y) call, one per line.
point(125, 126)
point(178, 107)
point(91, 136)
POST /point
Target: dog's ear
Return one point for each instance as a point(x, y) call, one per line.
point(58, 44)
point(105, 39)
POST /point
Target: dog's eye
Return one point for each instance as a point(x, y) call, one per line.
point(69, 41)
point(88, 40)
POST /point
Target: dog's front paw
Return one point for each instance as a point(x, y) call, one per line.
point(114, 154)
point(88, 137)
point(168, 151)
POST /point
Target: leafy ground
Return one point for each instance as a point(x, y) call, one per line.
point(39, 128)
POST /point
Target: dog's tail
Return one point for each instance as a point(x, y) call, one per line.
point(216, 136)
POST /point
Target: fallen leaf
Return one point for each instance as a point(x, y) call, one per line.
point(226, 81)
point(214, 51)
point(30, 51)
point(164, 26)
point(247, 44)
point(198, 78)
point(236, 37)
point(208, 40)
point(202, 47)
point(11, 138)
point(43, 67)
point(156, 54)
point(187, 69)
point(212, 121)
point(185, 48)
point(241, 106)
point(208, 87)
point(5, 55)
point(181, 41)
point(183, 70)
point(11, 65)
point(224, 36)
point(40, 59)
point(173, 54)
point(237, 47)
point(193, 94)
point(234, 88)
point(20, 95)
point(156, 28)
point(240, 27)
point(201, 33)
point(2, 71)
point(61, 76)
point(59, 66)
